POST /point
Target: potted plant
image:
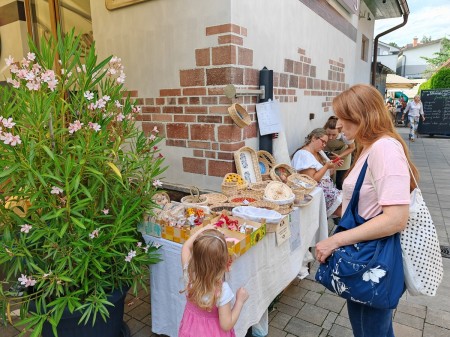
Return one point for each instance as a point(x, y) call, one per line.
point(76, 177)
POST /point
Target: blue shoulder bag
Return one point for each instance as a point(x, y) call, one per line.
point(369, 272)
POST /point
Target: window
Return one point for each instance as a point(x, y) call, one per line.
point(364, 48)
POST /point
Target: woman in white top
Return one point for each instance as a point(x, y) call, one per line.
point(308, 160)
point(414, 110)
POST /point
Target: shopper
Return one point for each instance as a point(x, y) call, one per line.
point(385, 193)
point(208, 310)
point(414, 110)
point(338, 145)
point(312, 161)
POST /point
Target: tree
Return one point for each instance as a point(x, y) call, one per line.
point(425, 39)
point(439, 58)
point(393, 44)
point(441, 79)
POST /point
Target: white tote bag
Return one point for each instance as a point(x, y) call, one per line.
point(422, 259)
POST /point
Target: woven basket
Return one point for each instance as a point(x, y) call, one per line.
point(278, 192)
point(281, 172)
point(239, 115)
point(266, 163)
point(285, 209)
point(195, 198)
point(259, 186)
point(265, 204)
point(299, 193)
point(247, 165)
point(216, 198)
point(238, 199)
point(221, 208)
point(302, 181)
point(233, 183)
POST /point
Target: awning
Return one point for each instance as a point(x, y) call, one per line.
point(398, 82)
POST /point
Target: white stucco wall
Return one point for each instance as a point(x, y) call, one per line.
point(156, 39)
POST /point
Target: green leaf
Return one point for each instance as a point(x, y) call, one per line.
point(77, 222)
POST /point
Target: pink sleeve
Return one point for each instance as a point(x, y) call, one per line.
point(389, 168)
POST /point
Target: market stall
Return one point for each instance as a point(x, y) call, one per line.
point(265, 270)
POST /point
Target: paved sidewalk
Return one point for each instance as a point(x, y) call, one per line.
point(307, 309)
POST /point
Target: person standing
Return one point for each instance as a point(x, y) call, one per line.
point(384, 196)
point(415, 111)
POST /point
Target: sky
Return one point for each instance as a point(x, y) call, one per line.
point(426, 18)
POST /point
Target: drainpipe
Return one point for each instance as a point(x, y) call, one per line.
point(405, 10)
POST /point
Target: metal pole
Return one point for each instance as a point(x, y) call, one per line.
point(266, 80)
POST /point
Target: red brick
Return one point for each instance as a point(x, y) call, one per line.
point(245, 57)
point(215, 146)
point(138, 101)
point(170, 92)
point(162, 118)
point(216, 91)
point(182, 101)
point(209, 119)
point(184, 119)
point(171, 101)
point(202, 132)
point(224, 55)
point(301, 51)
point(231, 146)
point(224, 76)
point(177, 131)
point(226, 28)
point(225, 155)
point(209, 100)
point(229, 133)
point(194, 165)
point(176, 142)
point(251, 131)
point(149, 101)
point(148, 127)
point(310, 83)
point(194, 91)
point(288, 66)
point(219, 168)
point(284, 79)
point(276, 79)
point(173, 109)
point(202, 57)
point(192, 77)
point(196, 110)
point(151, 109)
point(160, 101)
point(293, 81)
point(198, 153)
point(194, 100)
point(223, 100)
point(144, 117)
point(218, 109)
point(306, 69)
point(251, 76)
point(243, 31)
point(210, 154)
point(131, 93)
point(312, 71)
point(298, 68)
point(199, 145)
point(230, 38)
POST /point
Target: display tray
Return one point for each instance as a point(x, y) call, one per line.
point(305, 202)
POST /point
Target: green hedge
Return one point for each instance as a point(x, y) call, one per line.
point(441, 79)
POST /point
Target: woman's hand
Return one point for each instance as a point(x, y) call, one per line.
point(325, 248)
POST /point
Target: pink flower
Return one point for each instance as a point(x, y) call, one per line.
point(139, 244)
point(94, 233)
point(31, 56)
point(105, 211)
point(8, 138)
point(157, 183)
point(75, 126)
point(155, 130)
point(56, 190)
point(106, 98)
point(8, 123)
point(120, 117)
point(152, 137)
point(9, 60)
point(26, 281)
point(118, 104)
point(94, 126)
point(89, 95)
point(25, 228)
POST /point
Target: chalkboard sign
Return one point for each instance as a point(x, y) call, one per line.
point(436, 107)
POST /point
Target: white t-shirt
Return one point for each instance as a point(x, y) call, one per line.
point(414, 109)
point(346, 141)
point(304, 160)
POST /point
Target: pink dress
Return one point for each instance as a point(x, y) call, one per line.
point(197, 322)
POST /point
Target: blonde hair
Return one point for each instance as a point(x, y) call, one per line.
point(206, 269)
point(314, 134)
point(363, 105)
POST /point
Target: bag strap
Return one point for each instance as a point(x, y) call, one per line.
point(412, 174)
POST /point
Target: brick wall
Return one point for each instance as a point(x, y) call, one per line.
point(194, 114)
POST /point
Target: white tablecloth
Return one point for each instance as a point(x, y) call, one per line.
point(264, 270)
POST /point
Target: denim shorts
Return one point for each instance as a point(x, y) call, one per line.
point(370, 322)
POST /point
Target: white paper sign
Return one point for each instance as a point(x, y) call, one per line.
point(269, 120)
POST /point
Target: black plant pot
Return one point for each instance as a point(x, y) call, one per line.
point(113, 327)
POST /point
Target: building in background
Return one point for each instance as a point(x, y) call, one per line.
point(179, 56)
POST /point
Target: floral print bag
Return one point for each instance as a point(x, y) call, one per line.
point(369, 272)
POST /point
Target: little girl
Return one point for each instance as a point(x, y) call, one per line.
point(208, 310)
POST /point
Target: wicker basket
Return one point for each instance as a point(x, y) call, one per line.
point(239, 115)
point(266, 163)
point(281, 172)
point(259, 186)
point(216, 198)
point(221, 208)
point(285, 209)
point(302, 181)
point(233, 183)
point(265, 204)
point(195, 198)
point(299, 193)
point(239, 199)
point(247, 165)
point(278, 192)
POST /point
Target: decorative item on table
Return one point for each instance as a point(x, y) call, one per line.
point(216, 198)
point(265, 204)
point(280, 194)
point(272, 218)
point(302, 181)
point(244, 198)
point(281, 172)
point(233, 183)
point(259, 187)
point(299, 193)
point(195, 198)
point(266, 162)
point(222, 208)
point(252, 231)
point(239, 115)
point(247, 165)
point(307, 199)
